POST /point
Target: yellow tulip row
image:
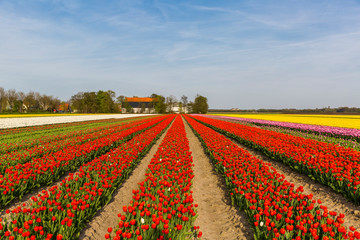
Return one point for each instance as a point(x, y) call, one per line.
point(346, 121)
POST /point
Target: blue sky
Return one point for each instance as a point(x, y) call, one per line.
point(246, 54)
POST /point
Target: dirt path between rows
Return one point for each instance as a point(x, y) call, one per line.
point(107, 216)
point(334, 201)
point(217, 218)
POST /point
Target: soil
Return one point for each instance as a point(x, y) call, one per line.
point(217, 218)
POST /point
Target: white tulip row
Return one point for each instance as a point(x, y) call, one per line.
point(32, 121)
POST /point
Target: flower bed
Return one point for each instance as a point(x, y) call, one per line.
point(275, 209)
point(23, 178)
point(22, 156)
point(62, 211)
point(27, 139)
point(163, 205)
point(351, 133)
point(336, 167)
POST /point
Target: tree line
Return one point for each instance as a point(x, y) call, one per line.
point(95, 102)
point(325, 110)
point(12, 101)
point(106, 102)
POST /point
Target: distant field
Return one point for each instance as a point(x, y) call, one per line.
point(346, 121)
point(13, 121)
point(46, 115)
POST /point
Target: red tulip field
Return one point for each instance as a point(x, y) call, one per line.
point(174, 177)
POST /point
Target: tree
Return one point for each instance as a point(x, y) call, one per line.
point(170, 103)
point(2, 98)
point(37, 99)
point(159, 103)
point(95, 102)
point(142, 105)
point(55, 103)
point(200, 104)
point(90, 103)
point(45, 102)
point(21, 97)
point(181, 107)
point(184, 103)
point(127, 106)
point(103, 102)
point(30, 101)
point(120, 101)
point(77, 102)
point(12, 96)
point(114, 106)
point(190, 107)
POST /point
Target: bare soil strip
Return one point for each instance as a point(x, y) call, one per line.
point(107, 216)
point(217, 218)
point(334, 201)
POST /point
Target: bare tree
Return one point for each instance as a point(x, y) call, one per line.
point(21, 97)
point(112, 94)
point(37, 100)
point(184, 103)
point(45, 102)
point(2, 98)
point(170, 103)
point(30, 101)
point(55, 103)
point(12, 96)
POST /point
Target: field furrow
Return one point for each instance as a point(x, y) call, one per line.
point(23, 178)
point(336, 167)
point(334, 201)
point(14, 159)
point(217, 218)
point(107, 216)
point(205, 178)
point(273, 205)
point(62, 211)
point(162, 205)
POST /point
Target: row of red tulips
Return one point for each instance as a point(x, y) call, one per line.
point(23, 178)
point(62, 211)
point(22, 156)
point(15, 142)
point(326, 163)
point(275, 208)
point(162, 207)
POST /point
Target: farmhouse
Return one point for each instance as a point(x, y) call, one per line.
point(139, 104)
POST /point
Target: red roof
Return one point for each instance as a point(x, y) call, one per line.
point(139, 99)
